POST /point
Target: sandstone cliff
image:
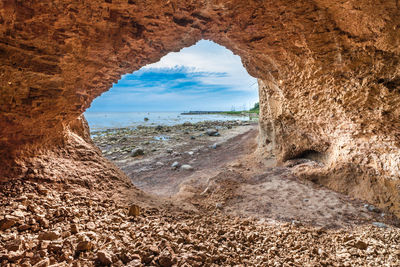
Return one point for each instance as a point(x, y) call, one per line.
point(328, 72)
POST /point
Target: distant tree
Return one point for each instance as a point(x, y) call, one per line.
point(256, 107)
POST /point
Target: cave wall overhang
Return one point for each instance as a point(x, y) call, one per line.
point(328, 72)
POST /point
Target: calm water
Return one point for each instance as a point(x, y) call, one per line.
point(103, 120)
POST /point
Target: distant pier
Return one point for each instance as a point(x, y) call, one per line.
point(201, 112)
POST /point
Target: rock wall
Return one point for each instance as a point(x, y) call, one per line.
point(328, 72)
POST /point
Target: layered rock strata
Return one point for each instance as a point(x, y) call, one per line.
point(328, 72)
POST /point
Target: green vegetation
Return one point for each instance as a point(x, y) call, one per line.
point(253, 110)
point(256, 108)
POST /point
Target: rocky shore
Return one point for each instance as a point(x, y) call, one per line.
point(207, 200)
point(42, 226)
point(125, 143)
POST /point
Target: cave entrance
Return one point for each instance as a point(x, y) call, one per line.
point(165, 121)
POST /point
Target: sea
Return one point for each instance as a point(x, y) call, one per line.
point(107, 120)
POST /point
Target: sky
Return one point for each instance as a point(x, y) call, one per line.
point(205, 76)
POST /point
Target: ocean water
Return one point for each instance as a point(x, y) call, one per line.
point(106, 120)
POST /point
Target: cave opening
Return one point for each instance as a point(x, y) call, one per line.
point(189, 101)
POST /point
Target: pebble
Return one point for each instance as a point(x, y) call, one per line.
point(186, 167)
point(215, 146)
point(379, 225)
point(371, 208)
point(219, 206)
point(212, 132)
point(137, 152)
point(175, 165)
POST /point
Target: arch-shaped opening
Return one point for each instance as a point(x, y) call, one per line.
point(164, 122)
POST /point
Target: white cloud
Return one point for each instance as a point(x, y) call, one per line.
point(207, 56)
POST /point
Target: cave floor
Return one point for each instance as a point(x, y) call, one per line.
point(229, 209)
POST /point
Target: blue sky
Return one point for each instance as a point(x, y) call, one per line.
point(205, 76)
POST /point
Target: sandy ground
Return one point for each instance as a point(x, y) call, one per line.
point(233, 179)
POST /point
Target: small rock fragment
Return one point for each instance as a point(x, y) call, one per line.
point(186, 167)
point(49, 236)
point(6, 223)
point(74, 229)
point(134, 210)
point(84, 246)
point(214, 146)
point(379, 225)
point(137, 152)
point(361, 245)
point(13, 245)
point(175, 165)
point(212, 132)
point(104, 257)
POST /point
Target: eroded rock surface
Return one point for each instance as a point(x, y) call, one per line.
point(328, 72)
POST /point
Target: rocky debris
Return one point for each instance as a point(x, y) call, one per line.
point(212, 132)
point(137, 152)
point(186, 167)
point(175, 165)
point(172, 237)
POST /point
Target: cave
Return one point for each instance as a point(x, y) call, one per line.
point(325, 82)
point(328, 75)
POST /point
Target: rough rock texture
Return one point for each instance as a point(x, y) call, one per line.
point(82, 229)
point(328, 72)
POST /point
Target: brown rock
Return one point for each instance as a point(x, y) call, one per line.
point(134, 210)
point(360, 245)
point(104, 257)
point(134, 263)
point(14, 245)
point(43, 263)
point(84, 246)
point(166, 259)
point(52, 235)
point(6, 224)
point(74, 229)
